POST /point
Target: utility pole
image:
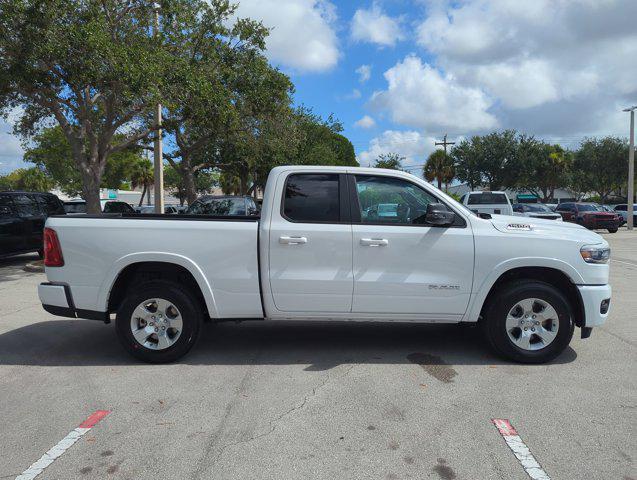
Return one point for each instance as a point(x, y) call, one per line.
point(631, 169)
point(159, 157)
point(444, 143)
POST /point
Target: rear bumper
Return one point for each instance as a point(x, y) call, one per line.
point(593, 297)
point(57, 300)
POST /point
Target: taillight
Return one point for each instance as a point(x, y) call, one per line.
point(52, 250)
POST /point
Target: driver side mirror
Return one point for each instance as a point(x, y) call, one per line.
point(438, 215)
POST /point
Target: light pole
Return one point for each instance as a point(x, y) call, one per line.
point(159, 157)
point(631, 169)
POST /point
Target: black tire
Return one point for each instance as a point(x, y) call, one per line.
point(504, 299)
point(612, 230)
point(187, 305)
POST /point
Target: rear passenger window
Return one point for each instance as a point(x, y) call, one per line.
point(312, 198)
point(24, 206)
point(6, 205)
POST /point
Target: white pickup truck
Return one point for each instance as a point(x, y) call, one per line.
point(327, 247)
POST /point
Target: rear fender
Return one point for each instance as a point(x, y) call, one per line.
point(192, 267)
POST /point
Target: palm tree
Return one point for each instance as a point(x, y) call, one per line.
point(439, 166)
point(143, 176)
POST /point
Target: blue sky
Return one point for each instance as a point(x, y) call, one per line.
point(558, 69)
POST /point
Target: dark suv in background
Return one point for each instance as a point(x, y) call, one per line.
point(22, 217)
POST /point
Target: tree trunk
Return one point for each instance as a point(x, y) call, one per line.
point(91, 190)
point(439, 183)
point(189, 185)
point(141, 199)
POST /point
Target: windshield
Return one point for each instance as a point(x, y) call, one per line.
point(536, 207)
point(487, 198)
point(218, 206)
point(79, 207)
point(587, 208)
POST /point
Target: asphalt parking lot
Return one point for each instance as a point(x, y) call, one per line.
point(267, 400)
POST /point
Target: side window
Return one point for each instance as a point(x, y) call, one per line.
point(25, 206)
point(312, 198)
point(391, 200)
point(6, 206)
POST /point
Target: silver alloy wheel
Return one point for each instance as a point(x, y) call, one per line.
point(532, 324)
point(156, 324)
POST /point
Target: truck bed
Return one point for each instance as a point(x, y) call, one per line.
point(221, 251)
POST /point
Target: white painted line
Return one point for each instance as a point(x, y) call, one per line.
point(520, 450)
point(63, 445)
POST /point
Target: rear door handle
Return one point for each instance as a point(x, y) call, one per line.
point(374, 242)
point(292, 240)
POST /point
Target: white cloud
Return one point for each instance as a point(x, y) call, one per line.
point(364, 73)
point(303, 36)
point(556, 67)
point(365, 122)
point(419, 95)
point(354, 95)
point(410, 144)
point(374, 26)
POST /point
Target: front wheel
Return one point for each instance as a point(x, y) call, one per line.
point(159, 321)
point(528, 321)
point(612, 230)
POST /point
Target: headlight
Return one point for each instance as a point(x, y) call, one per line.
point(595, 254)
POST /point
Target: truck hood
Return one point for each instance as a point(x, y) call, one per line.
point(550, 228)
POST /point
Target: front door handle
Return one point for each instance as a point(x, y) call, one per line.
point(292, 240)
point(374, 242)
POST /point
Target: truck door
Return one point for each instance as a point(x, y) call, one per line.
point(310, 258)
point(402, 265)
point(11, 230)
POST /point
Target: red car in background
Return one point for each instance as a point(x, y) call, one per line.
point(589, 215)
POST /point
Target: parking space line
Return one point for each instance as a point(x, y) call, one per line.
point(63, 445)
point(520, 450)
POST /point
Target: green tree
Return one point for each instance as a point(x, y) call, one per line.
point(440, 167)
point(543, 167)
point(142, 175)
point(392, 161)
point(205, 181)
point(465, 156)
point(488, 160)
point(600, 166)
point(220, 65)
point(30, 179)
point(97, 69)
point(51, 152)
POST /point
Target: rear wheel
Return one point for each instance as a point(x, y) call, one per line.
point(612, 230)
point(528, 321)
point(159, 321)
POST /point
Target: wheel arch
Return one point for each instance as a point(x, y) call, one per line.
point(548, 274)
point(156, 266)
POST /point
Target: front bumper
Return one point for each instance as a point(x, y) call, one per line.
point(57, 300)
point(593, 297)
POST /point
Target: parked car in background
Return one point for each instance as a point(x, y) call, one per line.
point(589, 215)
point(225, 205)
point(536, 210)
point(622, 211)
point(22, 217)
point(108, 206)
point(169, 209)
point(487, 202)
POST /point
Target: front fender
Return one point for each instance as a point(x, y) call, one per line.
point(139, 257)
point(479, 295)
